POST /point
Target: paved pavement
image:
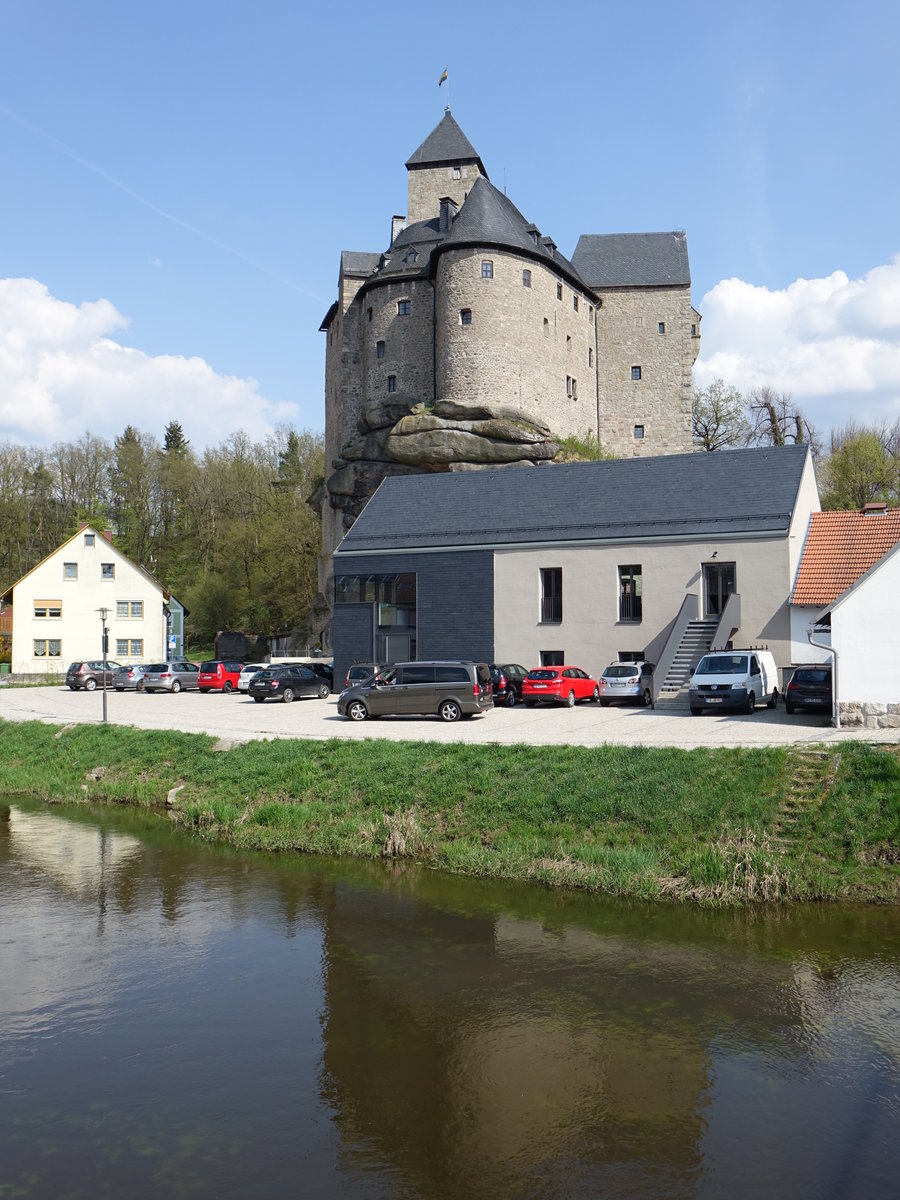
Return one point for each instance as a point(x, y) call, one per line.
point(239, 719)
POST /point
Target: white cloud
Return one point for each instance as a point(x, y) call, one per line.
point(61, 374)
point(833, 343)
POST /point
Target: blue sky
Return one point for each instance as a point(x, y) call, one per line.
point(179, 179)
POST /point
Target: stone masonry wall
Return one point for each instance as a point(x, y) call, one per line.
point(522, 343)
point(408, 340)
point(628, 336)
point(427, 186)
point(870, 715)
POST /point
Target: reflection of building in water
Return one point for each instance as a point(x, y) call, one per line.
point(80, 857)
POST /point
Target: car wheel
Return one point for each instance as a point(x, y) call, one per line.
point(696, 710)
point(229, 686)
point(773, 703)
point(595, 698)
point(646, 698)
point(449, 710)
point(788, 707)
point(357, 711)
point(529, 704)
point(140, 686)
point(120, 689)
point(203, 691)
point(570, 700)
point(90, 685)
point(751, 702)
point(73, 687)
point(176, 687)
point(604, 704)
point(511, 698)
point(260, 699)
point(324, 691)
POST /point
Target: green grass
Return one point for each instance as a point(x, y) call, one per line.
point(727, 826)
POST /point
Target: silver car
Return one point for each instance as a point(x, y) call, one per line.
point(627, 681)
point(126, 678)
point(177, 675)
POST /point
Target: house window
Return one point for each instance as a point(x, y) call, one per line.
point(662, 327)
point(551, 594)
point(559, 291)
point(70, 570)
point(392, 383)
point(47, 648)
point(136, 648)
point(635, 372)
point(48, 609)
point(379, 349)
point(526, 278)
point(107, 570)
point(404, 308)
point(88, 541)
point(129, 608)
point(552, 658)
point(465, 316)
point(121, 647)
point(631, 590)
point(638, 432)
point(487, 269)
point(575, 303)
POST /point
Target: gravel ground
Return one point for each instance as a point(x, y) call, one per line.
point(236, 718)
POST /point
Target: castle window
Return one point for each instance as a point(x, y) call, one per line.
point(526, 278)
point(368, 314)
point(575, 303)
point(487, 269)
point(392, 383)
point(571, 387)
point(411, 256)
point(568, 342)
point(693, 331)
point(635, 372)
point(591, 310)
point(600, 302)
point(638, 432)
point(404, 308)
point(559, 291)
point(546, 327)
point(457, 173)
point(662, 327)
point(590, 357)
point(379, 349)
point(465, 316)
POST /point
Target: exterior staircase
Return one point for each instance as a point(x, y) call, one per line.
point(695, 642)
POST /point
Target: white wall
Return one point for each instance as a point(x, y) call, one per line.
point(866, 634)
point(78, 628)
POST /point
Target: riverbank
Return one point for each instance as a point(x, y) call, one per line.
point(713, 826)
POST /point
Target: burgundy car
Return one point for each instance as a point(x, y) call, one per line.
point(558, 685)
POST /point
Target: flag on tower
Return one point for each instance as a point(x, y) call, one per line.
point(443, 78)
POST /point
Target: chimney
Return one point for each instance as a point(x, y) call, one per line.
point(107, 533)
point(398, 224)
point(448, 212)
point(875, 508)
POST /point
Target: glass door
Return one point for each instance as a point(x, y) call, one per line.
point(719, 582)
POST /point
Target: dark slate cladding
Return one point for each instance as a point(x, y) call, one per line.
point(606, 260)
point(679, 495)
point(445, 144)
point(454, 606)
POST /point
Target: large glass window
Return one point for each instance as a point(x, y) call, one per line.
point(394, 600)
point(631, 591)
point(551, 594)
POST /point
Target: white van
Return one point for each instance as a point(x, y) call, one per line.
point(734, 679)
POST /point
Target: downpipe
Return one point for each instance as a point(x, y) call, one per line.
point(835, 703)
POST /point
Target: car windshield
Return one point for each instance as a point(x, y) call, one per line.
point(620, 671)
point(723, 664)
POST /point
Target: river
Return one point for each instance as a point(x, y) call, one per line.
point(185, 1021)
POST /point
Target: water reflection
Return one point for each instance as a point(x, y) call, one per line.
point(389, 1032)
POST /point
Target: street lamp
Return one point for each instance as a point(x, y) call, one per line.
point(105, 645)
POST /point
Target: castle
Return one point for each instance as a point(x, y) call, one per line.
point(472, 341)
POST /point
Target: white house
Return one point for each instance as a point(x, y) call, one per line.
point(57, 608)
point(846, 594)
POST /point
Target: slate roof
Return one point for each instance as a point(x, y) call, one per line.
point(680, 495)
point(840, 548)
point(445, 144)
point(633, 259)
point(358, 262)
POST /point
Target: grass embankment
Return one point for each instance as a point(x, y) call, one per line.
point(713, 826)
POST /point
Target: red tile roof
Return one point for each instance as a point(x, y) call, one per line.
point(840, 547)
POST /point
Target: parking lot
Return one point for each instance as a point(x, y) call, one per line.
point(237, 718)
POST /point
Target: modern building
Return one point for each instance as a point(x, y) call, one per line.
point(56, 609)
point(472, 326)
point(584, 563)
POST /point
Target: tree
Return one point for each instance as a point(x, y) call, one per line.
point(864, 466)
point(175, 441)
point(718, 417)
point(775, 420)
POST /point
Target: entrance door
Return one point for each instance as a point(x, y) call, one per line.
point(719, 582)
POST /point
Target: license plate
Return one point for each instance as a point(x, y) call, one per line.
point(713, 700)
point(539, 686)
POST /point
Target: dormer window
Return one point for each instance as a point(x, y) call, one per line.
point(411, 256)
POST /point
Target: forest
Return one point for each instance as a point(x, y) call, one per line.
point(229, 531)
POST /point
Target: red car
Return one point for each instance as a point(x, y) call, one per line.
point(219, 676)
point(559, 685)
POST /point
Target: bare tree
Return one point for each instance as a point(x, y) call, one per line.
point(775, 420)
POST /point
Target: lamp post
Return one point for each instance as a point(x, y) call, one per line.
point(105, 646)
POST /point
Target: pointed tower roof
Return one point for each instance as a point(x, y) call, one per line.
point(445, 144)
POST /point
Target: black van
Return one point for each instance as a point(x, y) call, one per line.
point(449, 690)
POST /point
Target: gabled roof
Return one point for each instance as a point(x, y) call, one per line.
point(840, 548)
point(633, 259)
point(725, 494)
point(445, 144)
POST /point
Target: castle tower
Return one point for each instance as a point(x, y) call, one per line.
point(444, 166)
